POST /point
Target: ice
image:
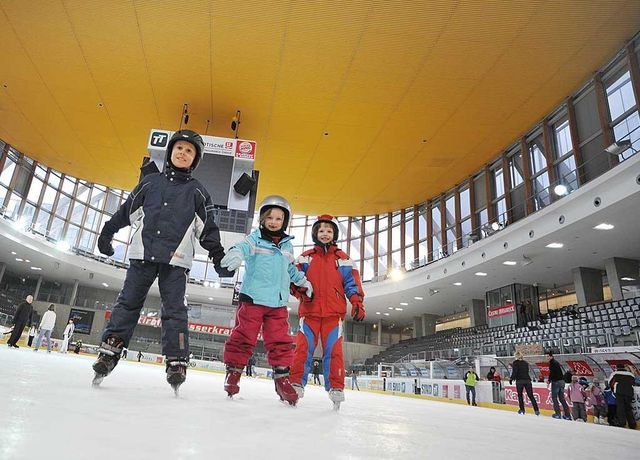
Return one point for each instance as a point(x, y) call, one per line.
point(48, 409)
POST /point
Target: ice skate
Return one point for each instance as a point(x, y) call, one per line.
point(231, 381)
point(109, 354)
point(299, 390)
point(283, 386)
point(336, 396)
point(176, 373)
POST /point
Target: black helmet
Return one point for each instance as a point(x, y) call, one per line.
point(193, 138)
point(326, 219)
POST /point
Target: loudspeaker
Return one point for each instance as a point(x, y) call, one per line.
point(244, 184)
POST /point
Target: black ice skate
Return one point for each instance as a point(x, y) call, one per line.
point(231, 381)
point(336, 396)
point(108, 357)
point(176, 372)
point(284, 389)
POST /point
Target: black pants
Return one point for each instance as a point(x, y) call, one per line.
point(625, 412)
point(316, 378)
point(172, 282)
point(30, 340)
point(472, 390)
point(526, 385)
point(16, 333)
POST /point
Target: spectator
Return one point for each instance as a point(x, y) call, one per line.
point(556, 382)
point(520, 373)
point(354, 379)
point(47, 323)
point(22, 318)
point(598, 403)
point(76, 350)
point(66, 336)
point(470, 380)
point(316, 372)
point(250, 365)
point(577, 398)
point(140, 356)
point(124, 353)
point(491, 374)
point(622, 382)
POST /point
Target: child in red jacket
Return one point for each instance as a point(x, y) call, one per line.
point(334, 277)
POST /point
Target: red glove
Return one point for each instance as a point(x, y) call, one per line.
point(299, 293)
point(357, 309)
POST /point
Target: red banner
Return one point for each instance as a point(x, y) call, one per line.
point(503, 310)
point(580, 368)
point(544, 369)
point(542, 395)
point(625, 362)
point(456, 392)
point(245, 150)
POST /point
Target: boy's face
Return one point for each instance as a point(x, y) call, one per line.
point(325, 233)
point(183, 154)
point(275, 220)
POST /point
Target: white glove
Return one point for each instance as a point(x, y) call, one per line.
point(232, 260)
point(307, 286)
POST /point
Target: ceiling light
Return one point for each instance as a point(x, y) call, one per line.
point(603, 226)
point(555, 245)
point(386, 314)
point(560, 190)
point(395, 274)
point(626, 278)
point(105, 284)
point(509, 262)
point(495, 226)
point(210, 298)
point(13, 252)
point(38, 269)
point(418, 298)
point(618, 147)
point(62, 246)
point(404, 303)
point(457, 283)
point(378, 313)
point(19, 260)
point(27, 261)
point(399, 309)
point(389, 308)
point(480, 274)
point(216, 284)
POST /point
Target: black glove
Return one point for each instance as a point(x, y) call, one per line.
point(223, 272)
point(105, 246)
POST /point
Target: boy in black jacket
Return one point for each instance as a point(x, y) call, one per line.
point(622, 382)
point(168, 212)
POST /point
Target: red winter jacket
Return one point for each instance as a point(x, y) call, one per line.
point(333, 276)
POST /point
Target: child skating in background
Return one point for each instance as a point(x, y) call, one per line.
point(335, 279)
point(269, 264)
point(168, 212)
point(598, 403)
point(577, 397)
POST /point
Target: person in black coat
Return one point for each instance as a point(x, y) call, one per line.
point(556, 382)
point(316, 372)
point(622, 382)
point(22, 318)
point(520, 373)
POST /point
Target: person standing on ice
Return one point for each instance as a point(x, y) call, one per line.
point(47, 323)
point(22, 318)
point(168, 213)
point(66, 336)
point(269, 262)
point(335, 279)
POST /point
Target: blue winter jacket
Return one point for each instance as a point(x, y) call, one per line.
point(269, 269)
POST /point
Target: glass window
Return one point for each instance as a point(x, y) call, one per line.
point(466, 230)
point(541, 191)
point(87, 240)
point(382, 242)
point(452, 244)
point(355, 227)
point(113, 202)
point(620, 96)
point(56, 228)
point(370, 225)
point(198, 270)
point(450, 206)
point(97, 196)
point(77, 213)
point(536, 156)
point(69, 184)
point(367, 274)
point(498, 183)
point(7, 171)
point(41, 172)
point(3, 194)
point(34, 190)
point(27, 213)
point(628, 129)
point(562, 135)
point(91, 222)
point(567, 173)
point(515, 169)
point(41, 222)
point(501, 210)
point(435, 218)
point(48, 199)
point(63, 206)
point(395, 237)
point(13, 206)
point(408, 233)
point(54, 179)
point(422, 223)
point(83, 192)
point(72, 235)
point(465, 204)
point(354, 251)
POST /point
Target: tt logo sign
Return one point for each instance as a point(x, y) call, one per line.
point(159, 139)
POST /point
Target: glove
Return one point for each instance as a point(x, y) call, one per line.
point(232, 260)
point(357, 308)
point(223, 272)
point(305, 288)
point(105, 246)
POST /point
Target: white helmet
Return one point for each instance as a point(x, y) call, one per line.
point(276, 201)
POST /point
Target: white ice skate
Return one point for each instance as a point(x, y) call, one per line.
point(336, 396)
point(299, 390)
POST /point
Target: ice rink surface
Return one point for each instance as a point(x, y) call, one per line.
point(48, 409)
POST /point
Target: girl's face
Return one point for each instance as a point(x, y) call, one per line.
point(274, 220)
point(325, 233)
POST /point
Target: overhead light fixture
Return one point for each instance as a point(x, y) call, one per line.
point(378, 313)
point(105, 284)
point(386, 314)
point(186, 295)
point(418, 298)
point(27, 261)
point(216, 284)
point(63, 246)
point(210, 298)
point(526, 261)
point(626, 278)
point(560, 190)
point(39, 269)
point(555, 245)
point(395, 274)
point(509, 262)
point(603, 226)
point(480, 274)
point(618, 147)
point(13, 253)
point(399, 309)
point(18, 259)
point(433, 291)
point(389, 308)
point(404, 303)
point(457, 283)
point(495, 226)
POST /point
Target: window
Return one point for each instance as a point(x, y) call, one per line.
point(7, 171)
point(34, 191)
point(623, 111)
point(515, 169)
point(539, 175)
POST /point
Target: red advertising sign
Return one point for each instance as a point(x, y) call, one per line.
point(245, 150)
point(541, 394)
point(625, 362)
point(544, 369)
point(580, 368)
point(503, 310)
point(445, 391)
point(456, 392)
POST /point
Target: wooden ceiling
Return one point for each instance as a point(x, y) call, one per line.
point(358, 107)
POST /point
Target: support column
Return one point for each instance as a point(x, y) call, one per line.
point(37, 289)
point(429, 324)
point(379, 332)
point(3, 267)
point(477, 312)
point(618, 268)
point(588, 284)
point(74, 293)
point(417, 327)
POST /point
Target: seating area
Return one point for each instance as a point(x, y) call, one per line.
point(568, 330)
